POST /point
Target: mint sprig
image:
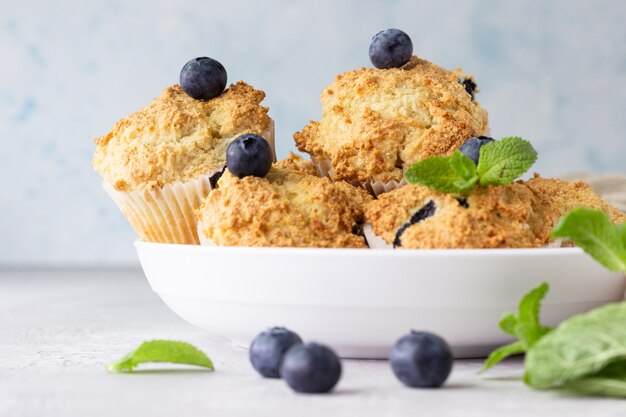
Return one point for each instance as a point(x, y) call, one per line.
point(585, 354)
point(500, 163)
point(525, 327)
point(594, 232)
point(162, 351)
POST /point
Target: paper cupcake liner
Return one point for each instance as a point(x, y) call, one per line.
point(378, 187)
point(376, 242)
point(373, 186)
point(165, 215)
point(373, 240)
point(561, 243)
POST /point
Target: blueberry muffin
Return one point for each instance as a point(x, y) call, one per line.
point(290, 207)
point(377, 122)
point(558, 197)
point(159, 162)
point(519, 215)
point(611, 187)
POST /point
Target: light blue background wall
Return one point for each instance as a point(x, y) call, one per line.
point(551, 71)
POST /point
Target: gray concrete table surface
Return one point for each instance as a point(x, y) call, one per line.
point(59, 329)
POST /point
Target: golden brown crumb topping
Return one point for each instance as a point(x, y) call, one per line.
point(559, 197)
point(289, 207)
point(177, 138)
point(520, 215)
point(376, 122)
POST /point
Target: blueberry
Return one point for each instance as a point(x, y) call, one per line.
point(470, 86)
point(357, 229)
point(311, 368)
point(390, 48)
point(428, 210)
point(203, 78)
point(215, 178)
point(249, 154)
point(268, 349)
point(421, 359)
point(471, 147)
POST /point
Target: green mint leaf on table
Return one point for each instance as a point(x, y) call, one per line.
point(504, 160)
point(611, 381)
point(529, 329)
point(500, 163)
point(525, 326)
point(592, 231)
point(162, 351)
point(502, 353)
point(621, 232)
point(446, 174)
point(585, 354)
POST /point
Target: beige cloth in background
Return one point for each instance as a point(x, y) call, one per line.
point(611, 187)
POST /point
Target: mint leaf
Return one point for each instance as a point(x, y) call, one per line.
point(609, 387)
point(500, 163)
point(508, 322)
point(503, 352)
point(611, 381)
point(504, 160)
point(162, 351)
point(528, 328)
point(590, 345)
point(525, 326)
point(586, 354)
point(621, 232)
point(595, 234)
point(465, 169)
point(439, 174)
point(462, 165)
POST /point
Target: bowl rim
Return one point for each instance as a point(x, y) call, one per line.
point(355, 252)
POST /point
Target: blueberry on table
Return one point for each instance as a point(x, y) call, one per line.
point(471, 147)
point(268, 349)
point(249, 155)
point(391, 48)
point(311, 368)
point(421, 359)
point(203, 78)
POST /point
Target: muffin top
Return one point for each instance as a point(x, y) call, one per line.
point(290, 207)
point(493, 217)
point(519, 215)
point(177, 138)
point(558, 197)
point(376, 122)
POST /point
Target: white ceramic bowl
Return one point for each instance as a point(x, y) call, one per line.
point(361, 301)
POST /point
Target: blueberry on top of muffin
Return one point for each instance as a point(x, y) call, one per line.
point(377, 122)
point(469, 200)
point(518, 215)
point(177, 138)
